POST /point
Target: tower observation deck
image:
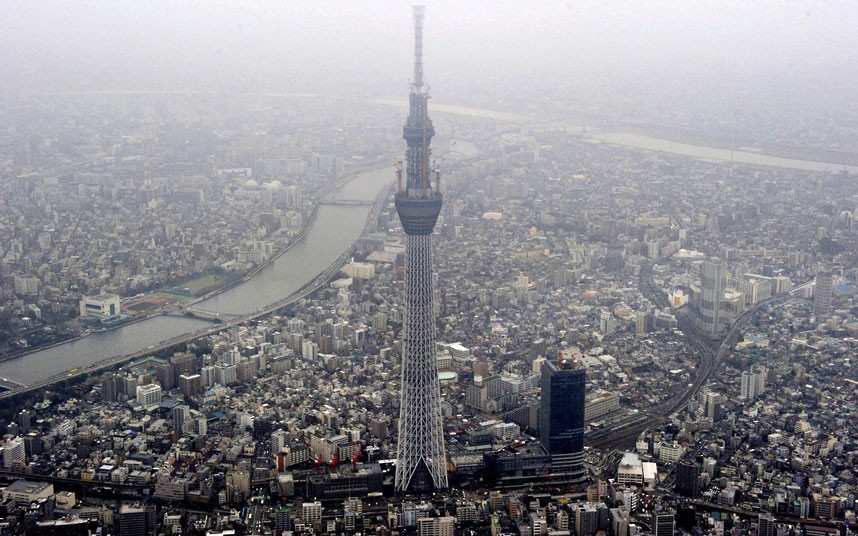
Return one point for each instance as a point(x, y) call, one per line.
point(420, 462)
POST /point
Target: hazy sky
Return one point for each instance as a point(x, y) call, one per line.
point(303, 45)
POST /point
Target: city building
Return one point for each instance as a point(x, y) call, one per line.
point(586, 519)
point(26, 285)
point(747, 386)
point(136, 520)
point(663, 524)
point(766, 525)
point(599, 404)
point(181, 418)
point(24, 492)
point(311, 513)
point(606, 323)
point(753, 382)
point(712, 275)
point(149, 396)
point(634, 472)
point(561, 420)
point(102, 305)
point(688, 478)
point(191, 384)
point(14, 454)
point(421, 463)
point(436, 526)
point(822, 293)
point(711, 405)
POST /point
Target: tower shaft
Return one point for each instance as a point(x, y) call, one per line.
point(420, 461)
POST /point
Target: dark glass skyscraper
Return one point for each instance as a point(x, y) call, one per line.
point(561, 417)
point(688, 478)
point(421, 464)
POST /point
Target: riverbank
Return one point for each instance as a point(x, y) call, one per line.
point(299, 294)
point(753, 158)
point(326, 192)
point(261, 266)
point(308, 264)
point(691, 137)
point(164, 309)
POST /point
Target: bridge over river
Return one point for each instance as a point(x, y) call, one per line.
point(348, 202)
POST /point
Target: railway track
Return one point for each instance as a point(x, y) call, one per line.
point(711, 353)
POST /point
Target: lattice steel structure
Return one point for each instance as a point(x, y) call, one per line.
point(420, 461)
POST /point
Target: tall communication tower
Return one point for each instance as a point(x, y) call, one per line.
point(420, 460)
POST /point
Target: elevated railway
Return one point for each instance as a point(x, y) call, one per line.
point(710, 353)
point(74, 482)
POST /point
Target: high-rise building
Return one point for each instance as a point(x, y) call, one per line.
point(136, 520)
point(753, 383)
point(209, 375)
point(641, 323)
point(765, 525)
point(200, 426)
point(191, 384)
point(606, 323)
point(127, 386)
point(712, 277)
point(711, 405)
point(561, 418)
point(183, 364)
point(436, 526)
point(688, 478)
point(279, 440)
point(311, 513)
point(225, 374)
point(109, 388)
point(586, 519)
point(181, 418)
point(165, 374)
point(14, 456)
point(25, 420)
point(822, 292)
point(26, 285)
point(760, 373)
point(420, 461)
point(663, 524)
point(746, 386)
point(283, 519)
point(149, 396)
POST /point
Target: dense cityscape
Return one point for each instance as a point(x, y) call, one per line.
point(288, 314)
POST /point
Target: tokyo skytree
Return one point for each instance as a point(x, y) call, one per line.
point(420, 461)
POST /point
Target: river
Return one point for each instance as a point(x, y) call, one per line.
point(640, 141)
point(335, 230)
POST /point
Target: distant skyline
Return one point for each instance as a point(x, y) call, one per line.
point(357, 46)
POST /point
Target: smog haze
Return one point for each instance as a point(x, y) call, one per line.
point(489, 47)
